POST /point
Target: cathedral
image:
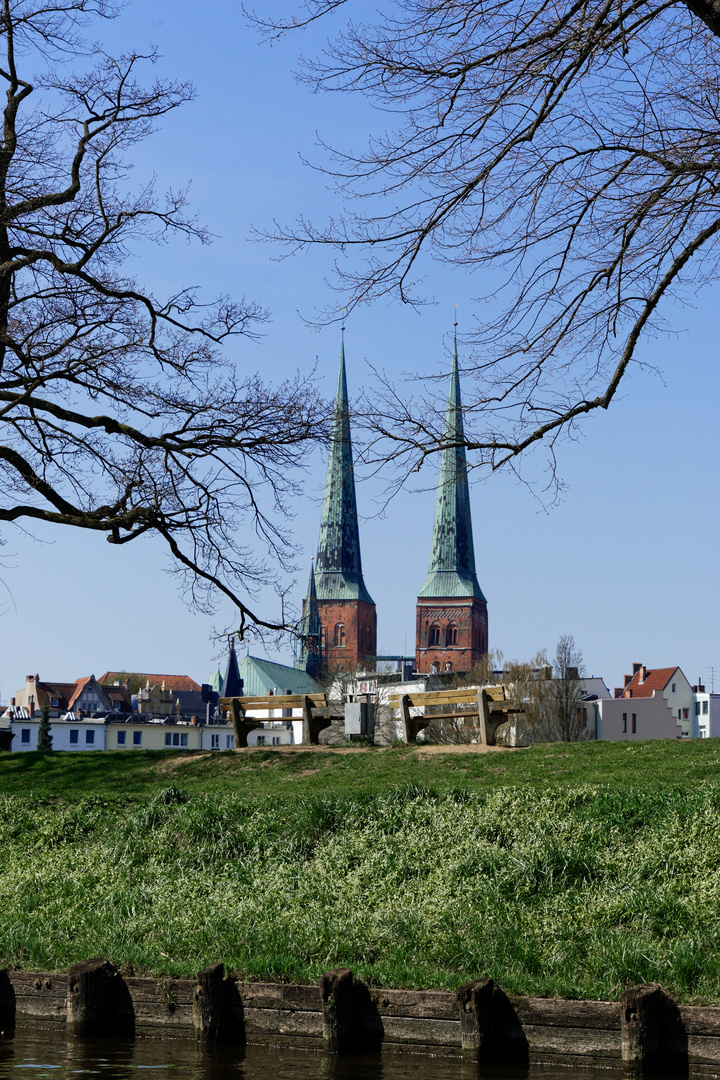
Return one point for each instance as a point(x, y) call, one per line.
point(338, 631)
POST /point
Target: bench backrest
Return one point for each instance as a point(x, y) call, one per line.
point(274, 701)
point(468, 695)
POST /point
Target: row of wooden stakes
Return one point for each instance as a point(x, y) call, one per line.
point(92, 1011)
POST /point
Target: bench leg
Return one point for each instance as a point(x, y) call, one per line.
point(312, 725)
point(241, 726)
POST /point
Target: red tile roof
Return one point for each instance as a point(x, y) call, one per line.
point(80, 685)
point(655, 679)
point(172, 682)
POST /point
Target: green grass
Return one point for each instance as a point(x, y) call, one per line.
point(571, 870)
point(277, 773)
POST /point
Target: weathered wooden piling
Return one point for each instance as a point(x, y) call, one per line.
point(477, 1019)
point(208, 1008)
point(339, 1020)
point(89, 998)
point(7, 1005)
point(642, 1009)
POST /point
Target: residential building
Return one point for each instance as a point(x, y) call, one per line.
point(83, 697)
point(653, 703)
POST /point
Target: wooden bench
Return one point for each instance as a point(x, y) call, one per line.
point(239, 709)
point(486, 704)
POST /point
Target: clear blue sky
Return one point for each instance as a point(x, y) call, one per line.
point(626, 563)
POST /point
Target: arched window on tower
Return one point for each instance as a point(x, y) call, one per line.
point(451, 635)
point(339, 636)
point(434, 635)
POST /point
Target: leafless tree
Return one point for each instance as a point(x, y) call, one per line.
point(574, 145)
point(119, 412)
point(560, 716)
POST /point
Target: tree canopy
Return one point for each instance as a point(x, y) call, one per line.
point(121, 411)
point(570, 147)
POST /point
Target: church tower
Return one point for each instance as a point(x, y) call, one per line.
point(452, 626)
point(310, 655)
point(346, 609)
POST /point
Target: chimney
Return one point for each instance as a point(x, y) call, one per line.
point(12, 701)
point(636, 668)
point(618, 691)
point(28, 678)
point(628, 678)
point(643, 673)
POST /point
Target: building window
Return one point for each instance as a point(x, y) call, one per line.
point(121, 738)
point(74, 736)
point(451, 635)
point(705, 706)
point(434, 635)
point(685, 714)
point(634, 723)
point(175, 738)
point(261, 740)
point(25, 735)
point(448, 665)
point(230, 741)
point(89, 737)
point(697, 708)
point(339, 636)
point(214, 742)
point(137, 738)
point(624, 721)
point(54, 703)
point(673, 688)
point(276, 740)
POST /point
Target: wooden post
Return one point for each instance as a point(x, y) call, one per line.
point(338, 1006)
point(7, 1005)
point(88, 998)
point(642, 1010)
point(405, 717)
point(209, 1004)
point(312, 725)
point(487, 732)
point(241, 726)
point(477, 1019)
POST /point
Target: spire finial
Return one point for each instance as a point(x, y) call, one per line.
point(455, 324)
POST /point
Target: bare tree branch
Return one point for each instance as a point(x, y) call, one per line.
point(119, 413)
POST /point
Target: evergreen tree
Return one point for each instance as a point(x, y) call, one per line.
point(44, 736)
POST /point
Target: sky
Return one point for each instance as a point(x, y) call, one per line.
point(626, 562)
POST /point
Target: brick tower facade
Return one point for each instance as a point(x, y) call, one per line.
point(345, 608)
point(451, 631)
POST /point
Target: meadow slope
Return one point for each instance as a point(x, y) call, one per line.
point(571, 870)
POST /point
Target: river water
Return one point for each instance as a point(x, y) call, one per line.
point(41, 1055)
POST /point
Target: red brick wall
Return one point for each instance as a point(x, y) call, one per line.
point(468, 617)
point(360, 622)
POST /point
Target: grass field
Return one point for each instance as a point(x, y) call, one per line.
point(573, 870)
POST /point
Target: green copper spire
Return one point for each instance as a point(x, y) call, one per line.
point(452, 558)
point(310, 631)
point(339, 570)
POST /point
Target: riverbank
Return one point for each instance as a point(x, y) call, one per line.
point(548, 885)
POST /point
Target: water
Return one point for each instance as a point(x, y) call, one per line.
point(44, 1055)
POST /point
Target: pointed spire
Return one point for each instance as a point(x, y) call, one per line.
point(233, 684)
point(339, 569)
point(452, 555)
point(310, 630)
